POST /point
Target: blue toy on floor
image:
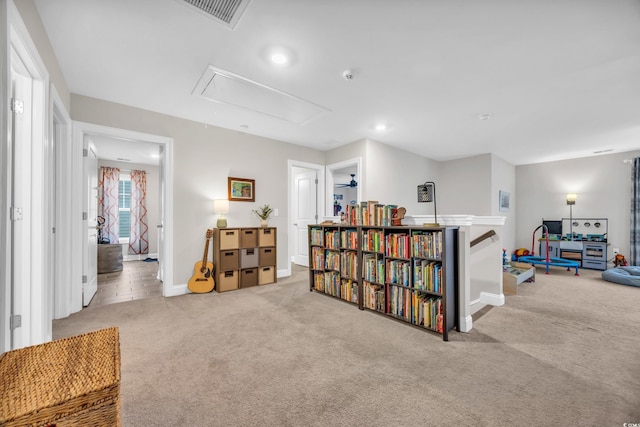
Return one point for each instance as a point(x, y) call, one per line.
point(629, 276)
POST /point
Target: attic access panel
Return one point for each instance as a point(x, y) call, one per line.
point(225, 87)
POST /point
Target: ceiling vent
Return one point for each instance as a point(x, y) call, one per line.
point(227, 12)
point(225, 87)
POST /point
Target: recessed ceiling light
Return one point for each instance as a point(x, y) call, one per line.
point(606, 150)
point(279, 58)
point(484, 116)
point(123, 160)
point(380, 127)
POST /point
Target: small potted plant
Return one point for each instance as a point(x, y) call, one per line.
point(263, 212)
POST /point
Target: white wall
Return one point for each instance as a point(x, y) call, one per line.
point(152, 200)
point(603, 186)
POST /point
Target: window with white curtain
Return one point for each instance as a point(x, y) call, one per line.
point(124, 205)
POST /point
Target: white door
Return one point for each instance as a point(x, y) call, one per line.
point(305, 204)
point(90, 285)
point(21, 214)
point(160, 225)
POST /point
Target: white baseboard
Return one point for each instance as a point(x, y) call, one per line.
point(177, 290)
point(466, 324)
point(486, 298)
point(492, 299)
point(283, 273)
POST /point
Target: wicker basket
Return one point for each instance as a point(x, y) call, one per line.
point(68, 382)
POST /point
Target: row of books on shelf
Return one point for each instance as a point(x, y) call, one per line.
point(427, 275)
point(370, 213)
point(349, 238)
point(349, 264)
point(397, 245)
point(373, 268)
point(417, 308)
point(373, 240)
point(398, 272)
point(316, 236)
point(330, 283)
point(426, 244)
point(422, 244)
point(332, 260)
point(424, 275)
point(332, 239)
point(317, 258)
point(373, 294)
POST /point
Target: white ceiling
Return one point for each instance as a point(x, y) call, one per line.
point(126, 150)
point(559, 78)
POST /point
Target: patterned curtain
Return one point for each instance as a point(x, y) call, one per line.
point(139, 237)
point(635, 213)
point(108, 202)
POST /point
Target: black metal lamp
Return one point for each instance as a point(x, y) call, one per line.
point(427, 194)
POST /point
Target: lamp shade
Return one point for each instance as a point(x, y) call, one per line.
point(427, 194)
point(571, 198)
point(221, 206)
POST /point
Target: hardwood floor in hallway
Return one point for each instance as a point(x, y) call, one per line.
point(137, 280)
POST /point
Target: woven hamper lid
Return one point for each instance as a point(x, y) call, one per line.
point(50, 374)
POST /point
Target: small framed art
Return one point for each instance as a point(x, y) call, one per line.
point(242, 190)
point(504, 201)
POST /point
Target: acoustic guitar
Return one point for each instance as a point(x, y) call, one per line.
point(202, 279)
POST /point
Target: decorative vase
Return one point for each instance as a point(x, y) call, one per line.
point(264, 223)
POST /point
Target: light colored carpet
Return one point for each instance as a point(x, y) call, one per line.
point(564, 351)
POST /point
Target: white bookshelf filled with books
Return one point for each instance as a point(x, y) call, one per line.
point(405, 273)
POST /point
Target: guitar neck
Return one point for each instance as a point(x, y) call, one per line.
point(205, 256)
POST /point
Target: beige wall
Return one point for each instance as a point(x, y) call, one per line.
point(464, 186)
point(503, 178)
point(204, 157)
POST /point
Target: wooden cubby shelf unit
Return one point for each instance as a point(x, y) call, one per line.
point(406, 273)
point(244, 257)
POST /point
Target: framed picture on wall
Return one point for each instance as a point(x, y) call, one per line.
point(241, 190)
point(504, 201)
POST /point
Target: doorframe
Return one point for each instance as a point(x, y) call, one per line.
point(320, 200)
point(34, 293)
point(82, 129)
point(357, 162)
point(62, 143)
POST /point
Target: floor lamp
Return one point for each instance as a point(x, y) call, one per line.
point(571, 200)
point(427, 194)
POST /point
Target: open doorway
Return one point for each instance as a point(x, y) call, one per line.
point(306, 204)
point(135, 151)
point(344, 186)
point(127, 266)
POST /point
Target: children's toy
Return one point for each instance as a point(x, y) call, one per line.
point(548, 261)
point(620, 261)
